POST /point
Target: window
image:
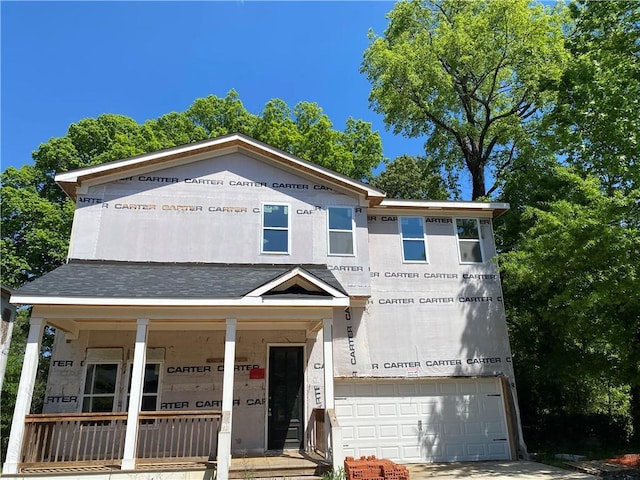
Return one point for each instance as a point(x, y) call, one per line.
point(100, 387)
point(341, 231)
point(150, 388)
point(469, 245)
point(275, 228)
point(413, 244)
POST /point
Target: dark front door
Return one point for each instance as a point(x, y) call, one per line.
point(286, 378)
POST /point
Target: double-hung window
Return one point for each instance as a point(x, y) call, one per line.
point(150, 387)
point(414, 248)
point(469, 243)
point(341, 230)
point(100, 387)
point(275, 228)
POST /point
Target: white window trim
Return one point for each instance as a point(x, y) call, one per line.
point(480, 240)
point(126, 393)
point(353, 232)
point(116, 393)
point(262, 228)
point(424, 240)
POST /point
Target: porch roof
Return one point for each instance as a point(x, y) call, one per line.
point(112, 280)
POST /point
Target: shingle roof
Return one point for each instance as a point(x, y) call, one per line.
point(113, 279)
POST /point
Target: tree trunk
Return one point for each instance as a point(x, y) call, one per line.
point(476, 168)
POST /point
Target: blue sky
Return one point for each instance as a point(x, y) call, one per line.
point(65, 61)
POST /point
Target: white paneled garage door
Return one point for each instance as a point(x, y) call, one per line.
point(418, 420)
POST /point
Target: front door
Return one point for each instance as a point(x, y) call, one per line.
point(286, 405)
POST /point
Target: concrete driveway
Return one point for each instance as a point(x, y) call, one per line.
point(493, 471)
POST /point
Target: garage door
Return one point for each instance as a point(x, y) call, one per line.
point(423, 420)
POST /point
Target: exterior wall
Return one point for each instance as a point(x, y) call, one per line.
point(435, 319)
point(210, 211)
point(191, 373)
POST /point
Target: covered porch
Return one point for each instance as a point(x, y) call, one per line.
point(141, 385)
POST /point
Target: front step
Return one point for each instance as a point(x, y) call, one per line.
point(293, 466)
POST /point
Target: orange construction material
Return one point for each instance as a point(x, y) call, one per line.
point(371, 468)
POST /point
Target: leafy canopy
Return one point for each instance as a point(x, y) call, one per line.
point(467, 75)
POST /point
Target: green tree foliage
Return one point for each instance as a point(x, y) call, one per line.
point(596, 122)
point(573, 234)
point(468, 76)
point(572, 297)
point(413, 178)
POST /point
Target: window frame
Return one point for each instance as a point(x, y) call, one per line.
point(116, 390)
point(336, 230)
point(412, 239)
point(479, 240)
point(263, 228)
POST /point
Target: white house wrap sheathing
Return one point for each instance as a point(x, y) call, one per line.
point(411, 322)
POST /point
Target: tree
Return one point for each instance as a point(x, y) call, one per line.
point(596, 120)
point(573, 233)
point(571, 288)
point(413, 178)
point(468, 75)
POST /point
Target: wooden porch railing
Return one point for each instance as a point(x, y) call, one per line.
point(326, 437)
point(98, 438)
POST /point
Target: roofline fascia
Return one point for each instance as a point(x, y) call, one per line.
point(496, 209)
point(176, 302)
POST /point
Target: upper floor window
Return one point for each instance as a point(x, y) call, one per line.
point(150, 387)
point(275, 228)
point(469, 244)
point(100, 387)
point(341, 230)
point(414, 247)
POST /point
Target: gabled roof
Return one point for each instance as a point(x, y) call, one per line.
point(98, 282)
point(111, 171)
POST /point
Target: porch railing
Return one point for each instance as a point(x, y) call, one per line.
point(98, 438)
point(326, 437)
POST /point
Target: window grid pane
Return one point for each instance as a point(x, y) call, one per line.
point(341, 242)
point(467, 228)
point(414, 251)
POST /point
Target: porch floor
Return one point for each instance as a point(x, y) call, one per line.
point(270, 464)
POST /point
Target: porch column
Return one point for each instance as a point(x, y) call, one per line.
point(24, 395)
point(224, 438)
point(135, 398)
point(327, 339)
point(327, 350)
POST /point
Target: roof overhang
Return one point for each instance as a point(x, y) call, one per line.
point(77, 181)
point(454, 208)
point(249, 301)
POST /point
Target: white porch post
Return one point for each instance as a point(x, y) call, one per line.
point(24, 395)
point(135, 398)
point(332, 433)
point(224, 438)
point(327, 351)
point(327, 339)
